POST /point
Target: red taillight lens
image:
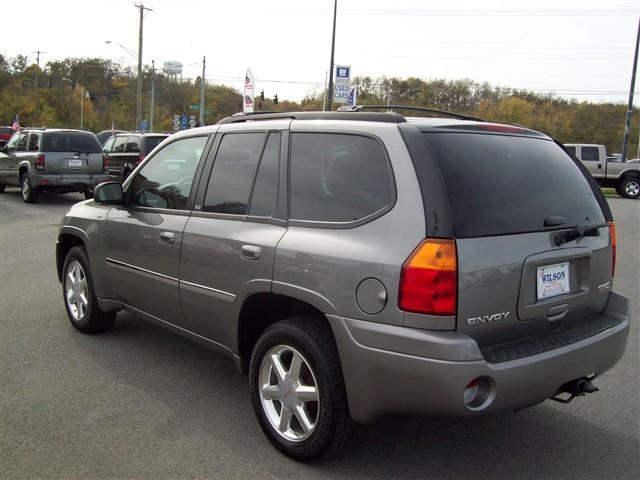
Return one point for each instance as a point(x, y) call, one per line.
point(612, 238)
point(40, 162)
point(429, 279)
point(105, 162)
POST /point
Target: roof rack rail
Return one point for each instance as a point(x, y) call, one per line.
point(359, 108)
point(385, 117)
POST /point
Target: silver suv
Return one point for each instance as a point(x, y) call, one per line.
point(357, 263)
point(52, 159)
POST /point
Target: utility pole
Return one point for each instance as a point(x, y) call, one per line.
point(141, 9)
point(35, 109)
point(627, 123)
point(153, 94)
point(333, 47)
point(81, 107)
point(202, 91)
point(324, 93)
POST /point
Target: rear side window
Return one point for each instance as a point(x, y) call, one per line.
point(22, 142)
point(499, 184)
point(133, 145)
point(34, 142)
point(150, 143)
point(589, 154)
point(118, 146)
point(233, 172)
point(79, 142)
point(265, 191)
point(338, 177)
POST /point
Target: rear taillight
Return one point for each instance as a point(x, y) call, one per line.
point(612, 238)
point(40, 162)
point(105, 162)
point(429, 279)
point(140, 157)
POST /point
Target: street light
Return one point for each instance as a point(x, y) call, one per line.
point(129, 51)
point(83, 93)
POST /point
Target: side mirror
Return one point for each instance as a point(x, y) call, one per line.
point(109, 193)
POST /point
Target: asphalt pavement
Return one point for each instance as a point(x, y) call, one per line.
point(141, 402)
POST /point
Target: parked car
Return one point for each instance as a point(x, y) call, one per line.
point(613, 173)
point(54, 160)
point(105, 135)
point(127, 150)
point(358, 263)
point(5, 135)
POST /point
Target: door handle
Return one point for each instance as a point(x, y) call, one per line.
point(600, 165)
point(168, 238)
point(251, 252)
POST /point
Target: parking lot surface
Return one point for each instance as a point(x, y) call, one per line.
point(140, 402)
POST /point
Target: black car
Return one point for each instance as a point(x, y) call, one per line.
point(127, 150)
point(104, 135)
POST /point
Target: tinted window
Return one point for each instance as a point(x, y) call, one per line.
point(108, 145)
point(166, 180)
point(589, 154)
point(265, 191)
point(233, 172)
point(338, 178)
point(5, 130)
point(70, 142)
point(500, 184)
point(571, 150)
point(22, 142)
point(133, 145)
point(118, 147)
point(34, 142)
point(150, 143)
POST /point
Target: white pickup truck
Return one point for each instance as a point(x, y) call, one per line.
point(623, 176)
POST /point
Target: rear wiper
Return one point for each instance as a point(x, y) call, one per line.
point(576, 233)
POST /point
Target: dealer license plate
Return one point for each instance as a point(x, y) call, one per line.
point(75, 162)
point(553, 280)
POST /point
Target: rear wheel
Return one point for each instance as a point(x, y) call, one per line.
point(630, 187)
point(79, 297)
point(29, 193)
point(298, 390)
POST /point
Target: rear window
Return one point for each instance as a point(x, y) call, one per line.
point(70, 142)
point(5, 130)
point(499, 184)
point(151, 142)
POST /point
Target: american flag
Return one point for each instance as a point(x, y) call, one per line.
point(16, 124)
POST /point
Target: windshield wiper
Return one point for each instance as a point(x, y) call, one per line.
point(576, 233)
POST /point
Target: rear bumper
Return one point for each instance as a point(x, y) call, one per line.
point(71, 181)
point(396, 369)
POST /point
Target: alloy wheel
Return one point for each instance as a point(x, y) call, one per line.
point(76, 291)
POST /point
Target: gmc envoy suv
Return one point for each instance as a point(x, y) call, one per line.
point(355, 263)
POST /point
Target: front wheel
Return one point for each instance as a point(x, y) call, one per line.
point(298, 390)
point(630, 187)
point(29, 193)
point(79, 297)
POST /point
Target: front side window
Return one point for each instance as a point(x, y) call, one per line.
point(338, 177)
point(166, 180)
point(13, 142)
point(571, 150)
point(108, 145)
point(589, 154)
point(233, 172)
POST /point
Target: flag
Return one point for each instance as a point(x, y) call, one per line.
point(352, 99)
point(113, 127)
point(248, 92)
point(16, 124)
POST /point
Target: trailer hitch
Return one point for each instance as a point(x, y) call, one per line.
point(576, 388)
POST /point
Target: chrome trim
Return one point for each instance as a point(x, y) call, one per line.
point(140, 269)
point(220, 294)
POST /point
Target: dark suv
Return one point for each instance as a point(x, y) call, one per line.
point(359, 263)
point(127, 150)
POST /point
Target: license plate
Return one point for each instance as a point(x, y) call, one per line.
point(75, 162)
point(553, 280)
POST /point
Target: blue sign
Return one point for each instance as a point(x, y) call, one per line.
point(144, 125)
point(184, 121)
point(342, 72)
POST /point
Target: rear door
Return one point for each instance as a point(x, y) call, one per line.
point(532, 240)
point(593, 159)
point(11, 158)
point(229, 242)
point(71, 153)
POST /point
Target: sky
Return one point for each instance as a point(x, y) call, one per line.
point(579, 49)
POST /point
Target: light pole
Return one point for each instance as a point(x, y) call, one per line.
point(141, 8)
point(129, 51)
point(333, 47)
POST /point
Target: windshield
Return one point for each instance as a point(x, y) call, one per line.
point(79, 142)
point(505, 184)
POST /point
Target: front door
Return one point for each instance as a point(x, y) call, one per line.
point(230, 240)
point(142, 241)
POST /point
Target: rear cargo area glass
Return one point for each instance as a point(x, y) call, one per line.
point(70, 142)
point(507, 184)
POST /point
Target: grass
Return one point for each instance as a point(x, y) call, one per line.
point(610, 192)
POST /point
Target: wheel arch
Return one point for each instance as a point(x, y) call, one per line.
point(67, 239)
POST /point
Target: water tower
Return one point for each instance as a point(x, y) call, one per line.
point(172, 69)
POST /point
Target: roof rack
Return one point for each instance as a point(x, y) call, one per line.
point(386, 117)
point(359, 108)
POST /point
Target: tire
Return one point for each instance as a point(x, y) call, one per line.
point(29, 193)
point(84, 313)
point(88, 193)
point(629, 187)
point(329, 427)
point(125, 173)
